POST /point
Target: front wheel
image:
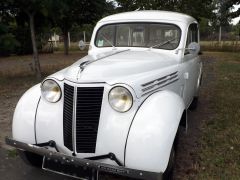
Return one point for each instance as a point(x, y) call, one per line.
point(168, 174)
point(31, 159)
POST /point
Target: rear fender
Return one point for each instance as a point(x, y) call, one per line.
point(153, 131)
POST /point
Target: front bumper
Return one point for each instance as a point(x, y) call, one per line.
point(100, 167)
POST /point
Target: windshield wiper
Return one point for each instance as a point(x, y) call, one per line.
point(162, 44)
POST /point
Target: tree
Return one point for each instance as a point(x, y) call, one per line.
point(8, 43)
point(66, 13)
point(228, 6)
point(195, 8)
point(30, 8)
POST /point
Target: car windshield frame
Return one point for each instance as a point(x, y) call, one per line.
point(114, 25)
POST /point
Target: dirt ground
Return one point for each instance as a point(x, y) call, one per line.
point(12, 168)
point(15, 65)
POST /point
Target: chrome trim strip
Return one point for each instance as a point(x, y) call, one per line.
point(168, 78)
point(35, 120)
point(74, 120)
point(156, 84)
point(159, 79)
point(160, 87)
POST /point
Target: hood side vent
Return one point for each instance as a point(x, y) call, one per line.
point(156, 84)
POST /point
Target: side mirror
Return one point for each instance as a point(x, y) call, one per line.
point(81, 45)
point(193, 48)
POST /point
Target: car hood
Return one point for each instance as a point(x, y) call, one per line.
point(116, 67)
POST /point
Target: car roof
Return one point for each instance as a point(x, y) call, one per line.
point(149, 15)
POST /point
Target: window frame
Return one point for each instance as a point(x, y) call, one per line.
point(197, 36)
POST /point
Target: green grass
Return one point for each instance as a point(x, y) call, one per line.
point(220, 143)
point(12, 153)
point(15, 73)
point(16, 66)
point(224, 46)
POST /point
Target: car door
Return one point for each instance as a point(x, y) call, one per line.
point(191, 65)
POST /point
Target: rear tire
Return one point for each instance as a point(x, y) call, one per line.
point(31, 159)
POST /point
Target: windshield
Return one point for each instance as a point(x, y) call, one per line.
point(154, 35)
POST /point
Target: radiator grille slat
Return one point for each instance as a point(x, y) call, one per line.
point(88, 109)
point(68, 116)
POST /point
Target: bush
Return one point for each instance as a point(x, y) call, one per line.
point(8, 43)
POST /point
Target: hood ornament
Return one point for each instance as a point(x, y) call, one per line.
point(83, 65)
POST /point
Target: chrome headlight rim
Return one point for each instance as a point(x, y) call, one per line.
point(131, 98)
point(60, 90)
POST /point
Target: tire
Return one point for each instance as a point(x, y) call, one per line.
point(194, 104)
point(31, 159)
point(168, 174)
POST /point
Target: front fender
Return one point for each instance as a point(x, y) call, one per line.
point(153, 131)
point(23, 127)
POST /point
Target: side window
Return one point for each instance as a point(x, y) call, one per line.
point(192, 35)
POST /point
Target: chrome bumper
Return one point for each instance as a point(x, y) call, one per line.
point(97, 166)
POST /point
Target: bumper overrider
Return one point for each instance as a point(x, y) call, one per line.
point(91, 165)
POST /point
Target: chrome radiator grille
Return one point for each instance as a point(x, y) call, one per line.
point(87, 113)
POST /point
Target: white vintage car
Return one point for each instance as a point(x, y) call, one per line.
point(118, 109)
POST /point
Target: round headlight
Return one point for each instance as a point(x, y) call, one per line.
point(51, 91)
point(120, 99)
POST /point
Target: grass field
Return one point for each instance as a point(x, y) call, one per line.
point(13, 66)
point(223, 46)
point(220, 142)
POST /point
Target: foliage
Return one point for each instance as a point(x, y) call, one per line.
point(236, 30)
point(78, 15)
point(8, 42)
point(67, 13)
point(77, 32)
point(14, 17)
point(228, 5)
point(195, 8)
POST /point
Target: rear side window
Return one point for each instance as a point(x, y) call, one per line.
point(192, 34)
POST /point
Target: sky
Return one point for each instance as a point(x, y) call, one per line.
point(236, 20)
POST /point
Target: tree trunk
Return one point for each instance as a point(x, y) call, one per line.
point(66, 45)
point(36, 64)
